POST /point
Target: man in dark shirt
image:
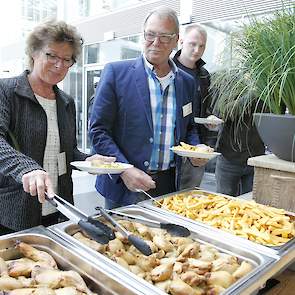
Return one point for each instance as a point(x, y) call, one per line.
point(189, 59)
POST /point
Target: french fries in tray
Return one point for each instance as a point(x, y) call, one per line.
point(256, 222)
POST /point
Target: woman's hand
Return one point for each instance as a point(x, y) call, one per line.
point(36, 183)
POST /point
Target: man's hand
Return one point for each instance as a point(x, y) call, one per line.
point(214, 127)
point(101, 158)
point(197, 162)
point(36, 183)
point(137, 179)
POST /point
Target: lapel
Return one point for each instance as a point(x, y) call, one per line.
point(23, 87)
point(143, 91)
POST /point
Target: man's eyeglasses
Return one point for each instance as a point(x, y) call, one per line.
point(54, 59)
point(163, 38)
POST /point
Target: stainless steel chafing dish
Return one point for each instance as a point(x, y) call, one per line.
point(260, 262)
point(271, 250)
point(98, 277)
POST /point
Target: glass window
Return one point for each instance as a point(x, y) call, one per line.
point(95, 57)
point(92, 80)
point(91, 53)
point(104, 52)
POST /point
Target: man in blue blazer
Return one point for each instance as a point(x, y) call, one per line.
point(142, 108)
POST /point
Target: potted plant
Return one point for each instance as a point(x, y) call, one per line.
point(263, 80)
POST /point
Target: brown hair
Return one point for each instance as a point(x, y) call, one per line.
point(51, 32)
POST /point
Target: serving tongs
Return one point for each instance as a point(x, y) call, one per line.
point(171, 228)
point(97, 230)
point(136, 241)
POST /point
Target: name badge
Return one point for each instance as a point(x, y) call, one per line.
point(61, 163)
point(187, 109)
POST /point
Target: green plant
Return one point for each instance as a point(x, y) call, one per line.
point(264, 74)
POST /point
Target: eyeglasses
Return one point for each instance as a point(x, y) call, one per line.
point(54, 59)
point(163, 38)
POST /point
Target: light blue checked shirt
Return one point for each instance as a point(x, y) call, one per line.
point(163, 106)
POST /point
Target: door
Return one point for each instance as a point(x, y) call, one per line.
point(91, 80)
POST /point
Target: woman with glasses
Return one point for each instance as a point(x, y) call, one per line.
point(37, 130)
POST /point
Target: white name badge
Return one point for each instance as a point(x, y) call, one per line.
point(61, 163)
point(187, 109)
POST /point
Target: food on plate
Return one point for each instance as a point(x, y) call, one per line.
point(178, 265)
point(106, 165)
point(256, 222)
point(201, 148)
point(36, 273)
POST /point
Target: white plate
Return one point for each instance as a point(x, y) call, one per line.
point(86, 166)
point(193, 154)
point(214, 121)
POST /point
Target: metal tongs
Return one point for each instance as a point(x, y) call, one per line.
point(173, 229)
point(97, 230)
point(136, 241)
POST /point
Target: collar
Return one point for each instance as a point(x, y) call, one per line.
point(23, 88)
point(150, 68)
point(199, 63)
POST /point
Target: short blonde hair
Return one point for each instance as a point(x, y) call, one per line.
point(196, 27)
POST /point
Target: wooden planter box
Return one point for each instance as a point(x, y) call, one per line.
point(274, 182)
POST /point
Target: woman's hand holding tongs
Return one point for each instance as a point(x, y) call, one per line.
point(36, 183)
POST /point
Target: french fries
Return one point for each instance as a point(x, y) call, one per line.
point(248, 219)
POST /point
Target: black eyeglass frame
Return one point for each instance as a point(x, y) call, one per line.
point(163, 38)
point(67, 63)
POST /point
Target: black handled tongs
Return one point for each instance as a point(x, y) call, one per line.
point(136, 241)
point(97, 230)
point(173, 229)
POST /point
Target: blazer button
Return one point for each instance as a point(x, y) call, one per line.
point(146, 163)
point(151, 140)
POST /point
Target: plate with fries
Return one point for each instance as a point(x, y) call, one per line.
point(201, 151)
point(99, 167)
point(258, 223)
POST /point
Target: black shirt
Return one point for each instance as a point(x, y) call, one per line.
point(202, 102)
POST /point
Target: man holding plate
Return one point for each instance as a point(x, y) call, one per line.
point(189, 58)
point(142, 108)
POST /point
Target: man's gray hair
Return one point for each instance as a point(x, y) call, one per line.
point(164, 12)
point(196, 27)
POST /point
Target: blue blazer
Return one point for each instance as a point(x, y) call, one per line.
point(121, 121)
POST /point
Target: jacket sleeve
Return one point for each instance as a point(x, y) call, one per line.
point(13, 163)
point(104, 116)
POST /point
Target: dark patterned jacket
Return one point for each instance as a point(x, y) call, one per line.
point(23, 133)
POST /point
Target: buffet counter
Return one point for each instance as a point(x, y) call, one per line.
point(210, 260)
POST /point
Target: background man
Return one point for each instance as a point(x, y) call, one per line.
point(142, 108)
point(193, 43)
